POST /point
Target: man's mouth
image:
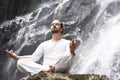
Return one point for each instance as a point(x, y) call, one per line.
point(55, 31)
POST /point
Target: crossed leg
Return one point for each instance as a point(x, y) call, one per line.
point(29, 66)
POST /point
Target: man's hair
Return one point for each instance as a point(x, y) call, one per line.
point(62, 27)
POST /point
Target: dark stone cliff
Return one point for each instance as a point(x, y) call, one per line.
point(9, 9)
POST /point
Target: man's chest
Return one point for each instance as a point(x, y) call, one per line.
point(54, 48)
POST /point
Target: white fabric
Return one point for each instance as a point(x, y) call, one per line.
point(55, 53)
point(29, 66)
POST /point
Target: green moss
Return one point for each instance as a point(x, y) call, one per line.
point(36, 77)
point(77, 77)
point(60, 76)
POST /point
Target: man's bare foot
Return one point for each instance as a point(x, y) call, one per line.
point(52, 68)
point(46, 70)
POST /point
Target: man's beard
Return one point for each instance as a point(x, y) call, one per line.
point(55, 31)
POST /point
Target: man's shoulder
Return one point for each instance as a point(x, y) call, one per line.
point(44, 43)
point(65, 40)
point(47, 41)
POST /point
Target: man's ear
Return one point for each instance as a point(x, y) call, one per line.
point(61, 29)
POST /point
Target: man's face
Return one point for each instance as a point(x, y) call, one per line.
point(56, 26)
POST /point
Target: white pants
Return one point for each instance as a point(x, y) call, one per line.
point(29, 66)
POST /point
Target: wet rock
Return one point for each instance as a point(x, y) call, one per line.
point(62, 76)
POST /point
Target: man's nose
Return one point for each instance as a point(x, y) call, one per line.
point(54, 26)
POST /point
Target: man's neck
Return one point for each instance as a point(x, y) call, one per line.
point(56, 37)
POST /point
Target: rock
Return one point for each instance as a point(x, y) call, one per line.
point(9, 9)
point(62, 76)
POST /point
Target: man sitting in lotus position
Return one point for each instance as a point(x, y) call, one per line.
point(57, 53)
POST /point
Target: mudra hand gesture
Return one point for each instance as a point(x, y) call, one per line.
point(72, 46)
point(12, 54)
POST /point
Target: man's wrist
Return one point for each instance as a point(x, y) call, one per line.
point(72, 52)
point(15, 56)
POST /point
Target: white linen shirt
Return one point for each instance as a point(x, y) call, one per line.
point(52, 52)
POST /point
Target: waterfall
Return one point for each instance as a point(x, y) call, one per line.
point(99, 54)
point(94, 24)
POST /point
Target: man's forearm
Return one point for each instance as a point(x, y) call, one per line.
point(16, 57)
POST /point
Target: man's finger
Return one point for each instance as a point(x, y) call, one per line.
point(11, 51)
point(72, 40)
point(7, 51)
point(75, 41)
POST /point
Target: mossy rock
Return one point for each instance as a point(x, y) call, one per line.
point(62, 76)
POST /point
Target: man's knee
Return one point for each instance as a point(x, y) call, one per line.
point(20, 62)
point(23, 61)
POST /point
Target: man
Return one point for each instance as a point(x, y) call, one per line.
point(57, 53)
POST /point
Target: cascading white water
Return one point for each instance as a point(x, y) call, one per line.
point(98, 54)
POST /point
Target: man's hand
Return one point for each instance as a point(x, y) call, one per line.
point(11, 54)
point(72, 46)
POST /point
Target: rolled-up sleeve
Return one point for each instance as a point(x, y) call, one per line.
point(65, 60)
point(68, 54)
